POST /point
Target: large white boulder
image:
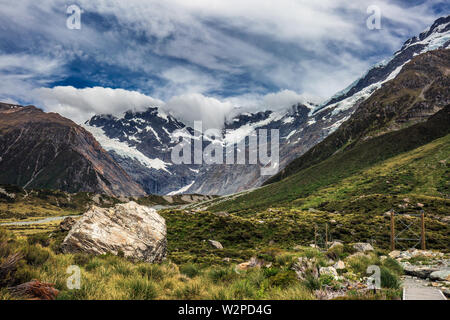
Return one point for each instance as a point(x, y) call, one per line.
point(138, 232)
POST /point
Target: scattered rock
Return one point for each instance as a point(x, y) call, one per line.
point(340, 265)
point(331, 271)
point(357, 255)
point(394, 254)
point(221, 214)
point(441, 275)
point(215, 244)
point(67, 224)
point(335, 244)
point(252, 263)
point(362, 247)
point(422, 272)
point(388, 213)
point(304, 267)
point(138, 232)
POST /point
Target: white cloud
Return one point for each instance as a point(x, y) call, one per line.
point(202, 48)
point(81, 104)
point(21, 73)
point(194, 107)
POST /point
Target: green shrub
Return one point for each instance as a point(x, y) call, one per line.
point(190, 270)
point(222, 274)
point(152, 272)
point(389, 279)
point(35, 256)
point(326, 279)
point(81, 259)
point(39, 238)
point(393, 265)
point(283, 279)
point(141, 289)
point(271, 272)
point(312, 283)
point(188, 292)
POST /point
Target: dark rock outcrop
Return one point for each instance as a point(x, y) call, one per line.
point(46, 150)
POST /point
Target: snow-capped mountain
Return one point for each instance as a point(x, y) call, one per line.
point(141, 142)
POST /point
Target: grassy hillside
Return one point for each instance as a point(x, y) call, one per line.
point(419, 90)
point(17, 203)
point(390, 180)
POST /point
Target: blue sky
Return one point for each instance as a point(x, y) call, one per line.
point(198, 55)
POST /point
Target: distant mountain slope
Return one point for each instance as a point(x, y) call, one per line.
point(420, 90)
point(435, 37)
point(141, 142)
point(351, 162)
point(46, 150)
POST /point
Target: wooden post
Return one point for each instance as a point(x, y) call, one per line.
point(392, 230)
point(315, 235)
point(326, 236)
point(422, 216)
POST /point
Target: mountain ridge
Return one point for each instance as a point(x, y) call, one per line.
point(39, 149)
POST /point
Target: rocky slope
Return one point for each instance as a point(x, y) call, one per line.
point(417, 92)
point(142, 142)
point(46, 150)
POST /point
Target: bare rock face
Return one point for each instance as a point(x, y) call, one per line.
point(137, 231)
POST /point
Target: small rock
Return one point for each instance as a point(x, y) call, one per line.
point(335, 244)
point(221, 214)
point(328, 271)
point(215, 244)
point(388, 213)
point(436, 284)
point(252, 263)
point(394, 254)
point(362, 247)
point(340, 265)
